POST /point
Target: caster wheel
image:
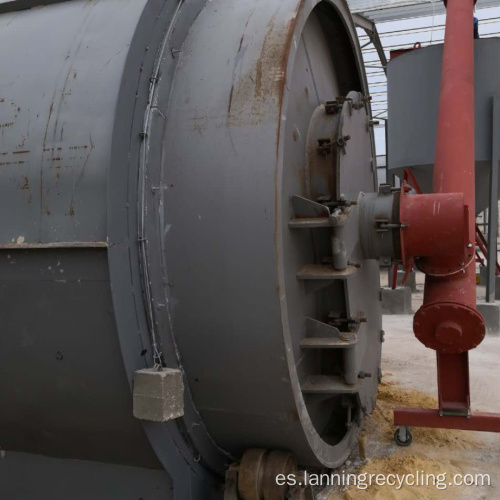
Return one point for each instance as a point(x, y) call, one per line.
point(403, 437)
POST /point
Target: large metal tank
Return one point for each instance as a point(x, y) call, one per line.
point(153, 153)
point(413, 101)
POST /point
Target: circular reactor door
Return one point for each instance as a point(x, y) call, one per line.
point(266, 149)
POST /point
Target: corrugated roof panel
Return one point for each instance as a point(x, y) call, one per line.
point(391, 10)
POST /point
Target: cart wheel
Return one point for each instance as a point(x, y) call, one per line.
point(403, 436)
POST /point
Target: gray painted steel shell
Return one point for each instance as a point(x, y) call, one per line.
point(148, 153)
point(413, 100)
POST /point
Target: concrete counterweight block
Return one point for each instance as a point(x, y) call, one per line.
point(158, 395)
point(396, 301)
point(491, 314)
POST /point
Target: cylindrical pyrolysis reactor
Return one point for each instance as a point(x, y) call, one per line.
point(179, 186)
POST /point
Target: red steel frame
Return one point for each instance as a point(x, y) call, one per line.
point(412, 181)
point(448, 320)
point(483, 246)
point(478, 421)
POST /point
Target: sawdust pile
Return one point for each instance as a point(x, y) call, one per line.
point(409, 465)
point(391, 396)
point(404, 461)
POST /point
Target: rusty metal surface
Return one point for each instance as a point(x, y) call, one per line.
point(236, 139)
point(56, 135)
point(251, 473)
point(324, 272)
point(71, 93)
point(278, 463)
point(172, 139)
point(326, 343)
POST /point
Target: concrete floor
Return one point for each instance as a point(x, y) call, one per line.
point(409, 379)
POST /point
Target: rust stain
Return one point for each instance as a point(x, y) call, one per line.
point(258, 78)
point(295, 136)
point(199, 124)
point(306, 91)
point(51, 109)
point(20, 152)
point(71, 209)
point(270, 74)
point(45, 149)
point(255, 96)
point(230, 100)
point(7, 125)
point(323, 167)
point(9, 163)
point(292, 416)
point(84, 166)
point(26, 183)
point(284, 65)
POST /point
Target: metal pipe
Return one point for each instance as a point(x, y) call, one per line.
point(339, 251)
point(454, 161)
point(454, 173)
